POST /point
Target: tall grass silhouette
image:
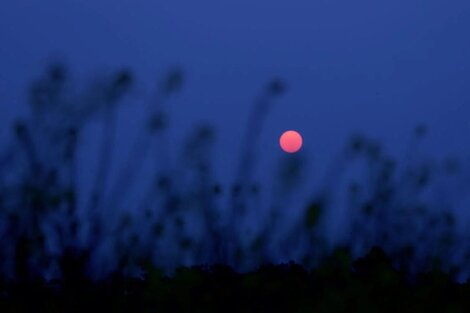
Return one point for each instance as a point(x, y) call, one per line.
point(185, 216)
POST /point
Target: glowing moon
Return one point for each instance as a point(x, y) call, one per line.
point(290, 141)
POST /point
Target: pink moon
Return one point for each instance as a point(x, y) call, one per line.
point(290, 141)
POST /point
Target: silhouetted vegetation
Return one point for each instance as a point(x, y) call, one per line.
point(369, 284)
point(182, 244)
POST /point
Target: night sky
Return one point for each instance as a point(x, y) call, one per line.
point(376, 67)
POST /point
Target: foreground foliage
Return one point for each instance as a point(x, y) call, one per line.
point(71, 247)
point(369, 284)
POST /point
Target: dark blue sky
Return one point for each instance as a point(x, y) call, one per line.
point(378, 67)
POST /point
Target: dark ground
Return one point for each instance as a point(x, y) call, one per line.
point(368, 284)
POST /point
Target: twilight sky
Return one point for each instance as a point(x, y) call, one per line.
point(373, 66)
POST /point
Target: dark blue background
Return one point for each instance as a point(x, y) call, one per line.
point(377, 67)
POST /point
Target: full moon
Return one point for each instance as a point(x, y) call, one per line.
point(290, 141)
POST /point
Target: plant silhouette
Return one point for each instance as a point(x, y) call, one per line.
point(66, 254)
